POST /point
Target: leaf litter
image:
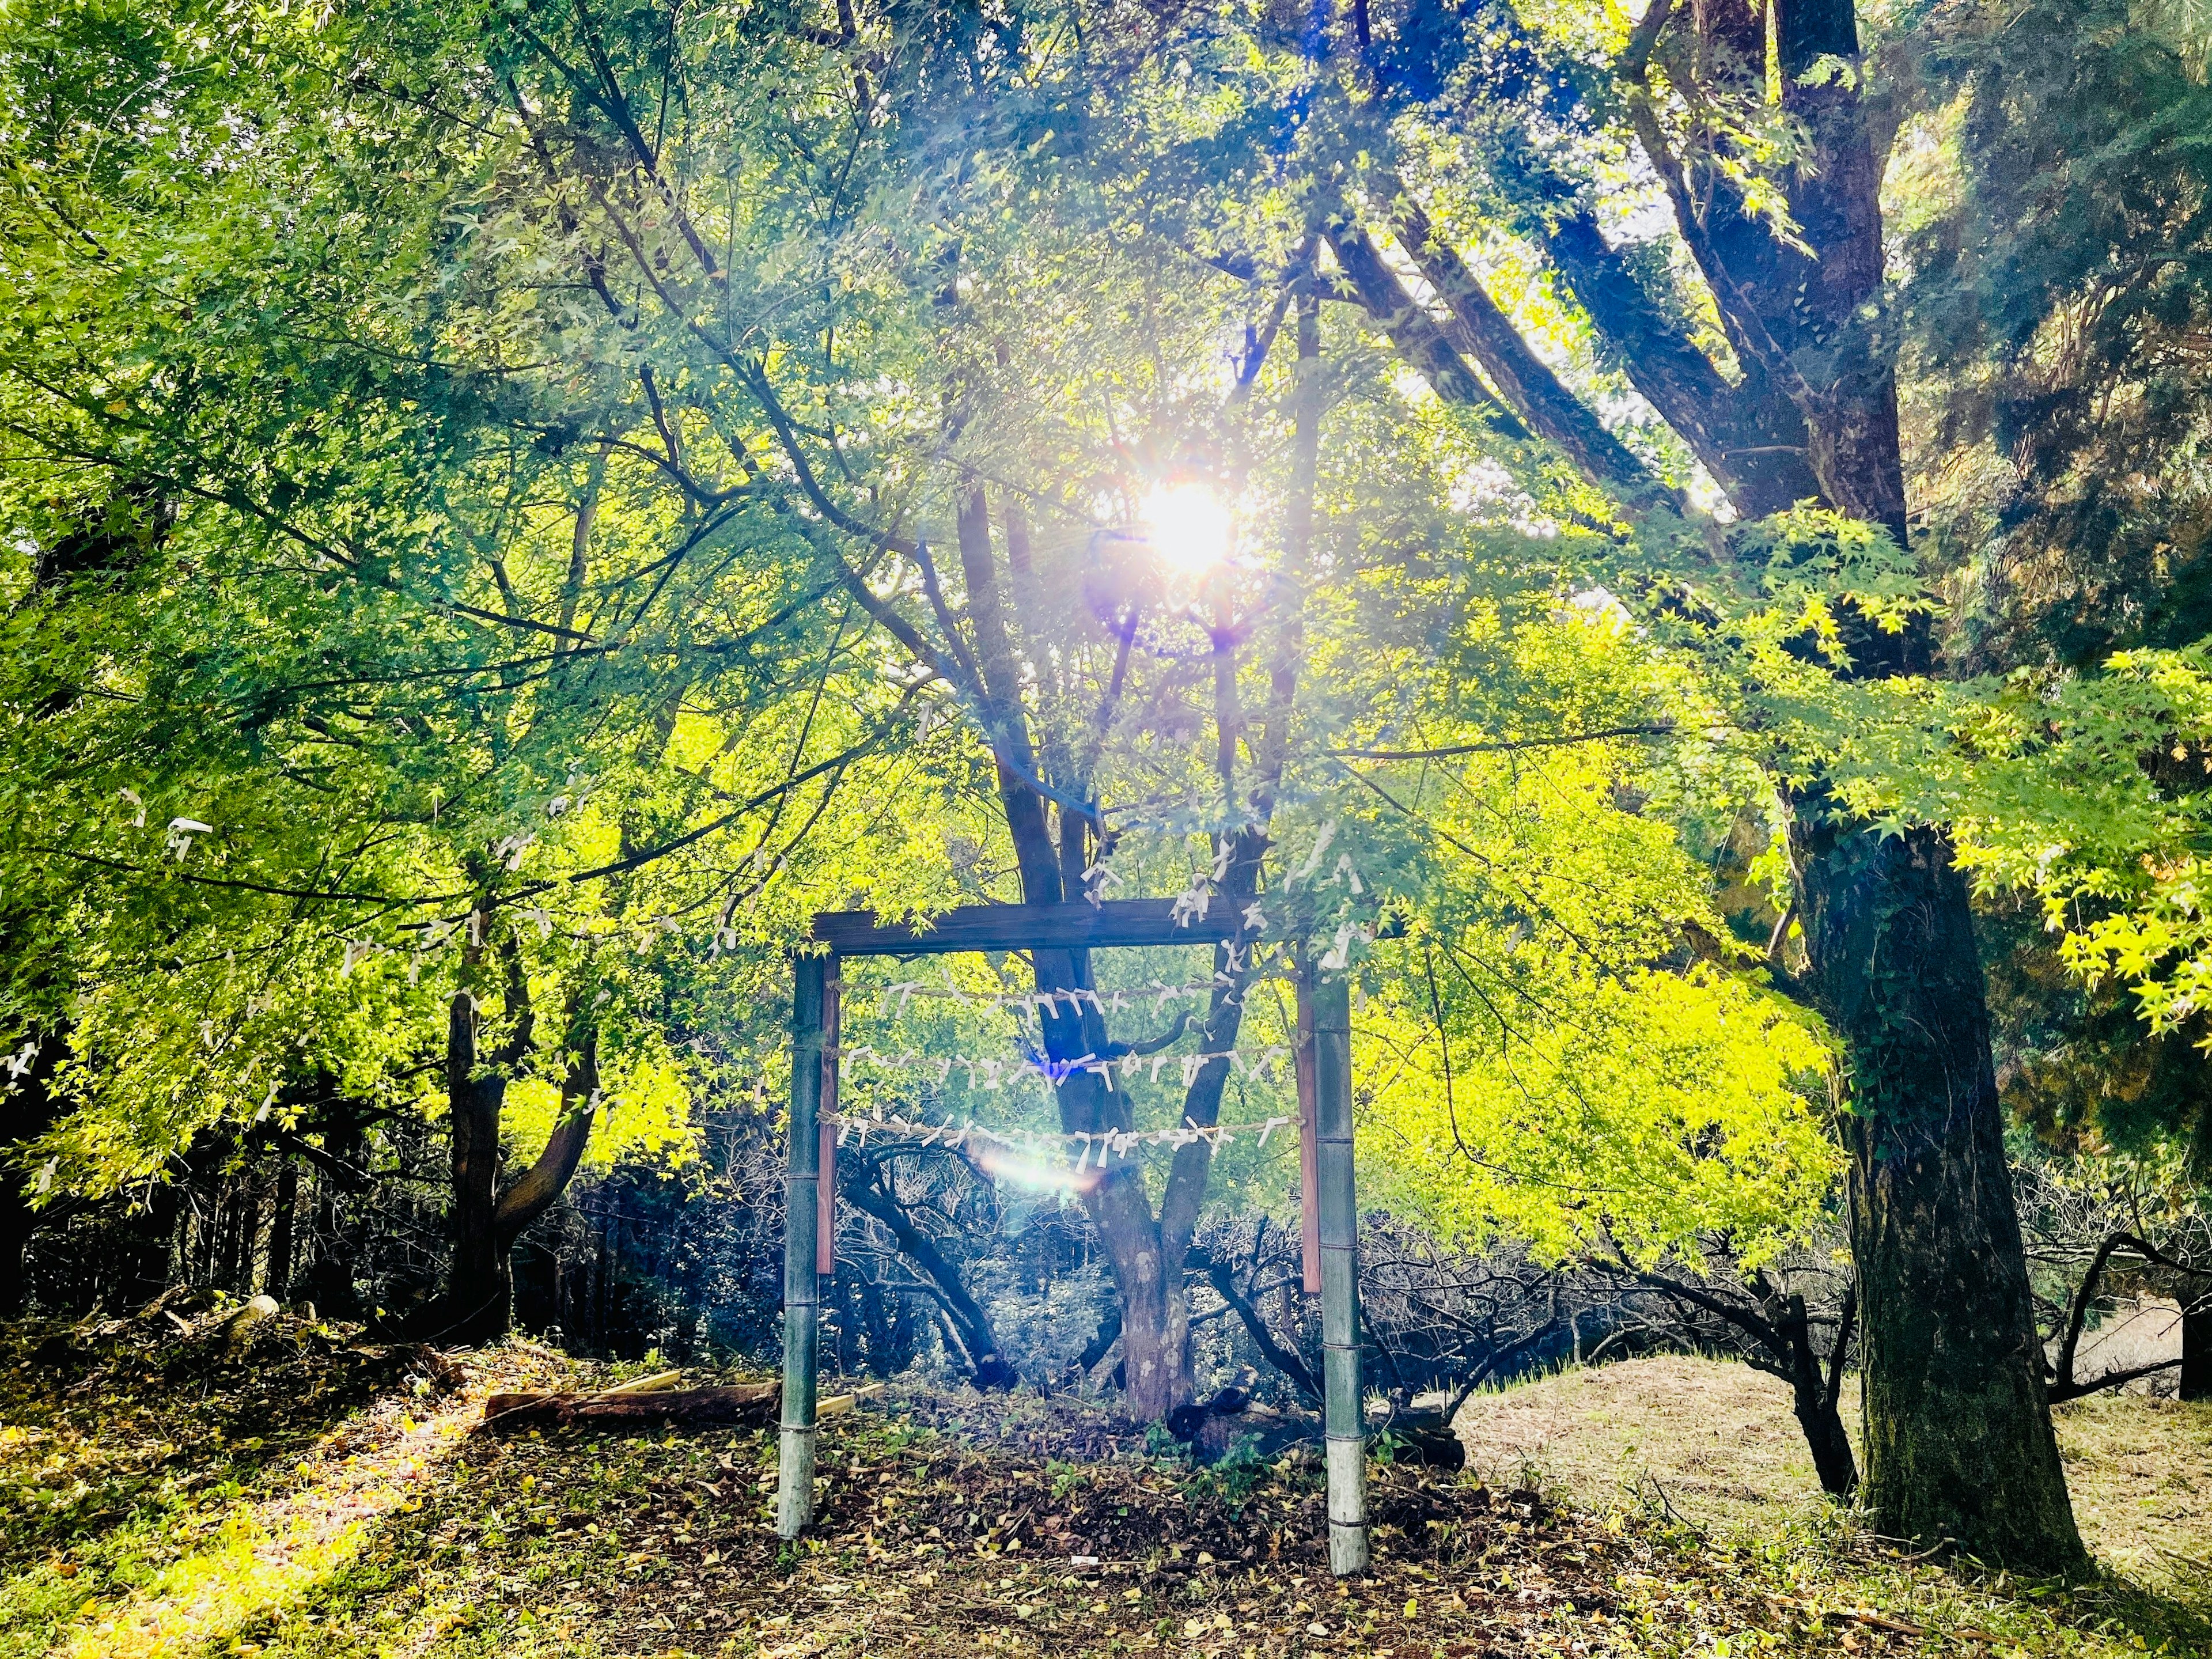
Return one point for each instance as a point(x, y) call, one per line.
point(950, 1523)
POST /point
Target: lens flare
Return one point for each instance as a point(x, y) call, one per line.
point(1030, 1174)
point(1190, 529)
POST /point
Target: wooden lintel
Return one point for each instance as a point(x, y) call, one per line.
point(1079, 926)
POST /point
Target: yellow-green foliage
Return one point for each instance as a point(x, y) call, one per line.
point(1568, 1042)
point(1652, 1107)
point(649, 1118)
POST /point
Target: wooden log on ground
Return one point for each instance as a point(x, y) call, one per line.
point(750, 1403)
point(1422, 1435)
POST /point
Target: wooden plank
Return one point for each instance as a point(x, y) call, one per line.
point(839, 1405)
point(1078, 925)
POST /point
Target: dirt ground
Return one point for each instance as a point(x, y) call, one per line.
point(1716, 1441)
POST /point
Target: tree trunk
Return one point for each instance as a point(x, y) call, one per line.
point(478, 1278)
point(150, 1267)
point(2196, 1344)
point(330, 1280)
point(1958, 1423)
point(17, 1220)
point(477, 1302)
point(277, 1278)
point(1155, 1312)
point(1959, 1438)
point(31, 1111)
point(1814, 1403)
point(1155, 1315)
point(242, 1233)
point(1145, 1253)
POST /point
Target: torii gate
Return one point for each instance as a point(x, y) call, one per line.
point(1325, 1157)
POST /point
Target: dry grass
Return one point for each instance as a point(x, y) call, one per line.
point(2141, 1472)
point(1718, 1439)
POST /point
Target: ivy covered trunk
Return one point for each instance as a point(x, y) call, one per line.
point(1959, 1440)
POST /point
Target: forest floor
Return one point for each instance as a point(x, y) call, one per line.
point(166, 1493)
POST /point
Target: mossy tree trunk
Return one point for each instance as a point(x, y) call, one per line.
point(1959, 1442)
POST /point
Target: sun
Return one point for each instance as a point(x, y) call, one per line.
point(1190, 528)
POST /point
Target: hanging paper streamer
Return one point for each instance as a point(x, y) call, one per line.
point(1261, 1065)
point(1090, 1150)
point(1159, 994)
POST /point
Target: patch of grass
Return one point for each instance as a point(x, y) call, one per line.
point(1708, 1448)
point(1715, 1437)
point(122, 1457)
point(2141, 1472)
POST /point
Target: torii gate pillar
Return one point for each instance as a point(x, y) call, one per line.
point(802, 1291)
point(1329, 1019)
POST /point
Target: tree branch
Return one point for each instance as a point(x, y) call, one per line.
point(1412, 331)
point(549, 1177)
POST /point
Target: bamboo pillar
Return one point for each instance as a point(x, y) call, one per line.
point(802, 1294)
point(1308, 1147)
point(825, 1200)
point(1346, 1429)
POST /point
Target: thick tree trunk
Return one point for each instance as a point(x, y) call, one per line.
point(1958, 1437)
point(1155, 1312)
point(1959, 1441)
